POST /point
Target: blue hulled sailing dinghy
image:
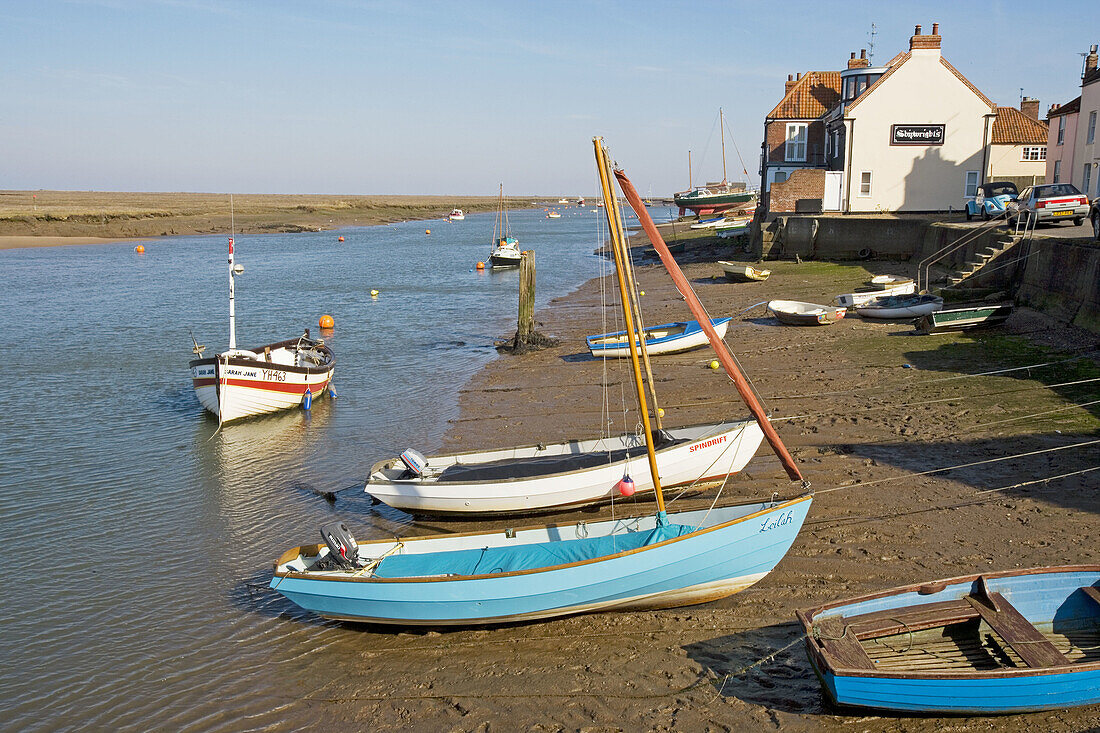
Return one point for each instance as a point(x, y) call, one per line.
point(660, 560)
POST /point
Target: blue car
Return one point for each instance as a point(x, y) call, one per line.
point(991, 200)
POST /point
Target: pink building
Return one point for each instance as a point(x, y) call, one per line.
point(1061, 134)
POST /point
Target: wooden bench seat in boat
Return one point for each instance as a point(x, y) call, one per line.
point(512, 468)
point(1092, 592)
point(1016, 631)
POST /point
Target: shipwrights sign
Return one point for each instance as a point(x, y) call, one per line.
point(916, 135)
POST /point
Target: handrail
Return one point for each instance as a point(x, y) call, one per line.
point(925, 265)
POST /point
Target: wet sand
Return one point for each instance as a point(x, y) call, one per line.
point(861, 423)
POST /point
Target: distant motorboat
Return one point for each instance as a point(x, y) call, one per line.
point(563, 201)
point(740, 272)
point(553, 215)
point(668, 338)
point(900, 306)
point(795, 313)
point(457, 215)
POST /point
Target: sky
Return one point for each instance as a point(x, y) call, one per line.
point(407, 97)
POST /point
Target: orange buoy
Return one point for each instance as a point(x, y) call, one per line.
point(481, 265)
point(339, 239)
point(427, 231)
point(140, 249)
point(326, 322)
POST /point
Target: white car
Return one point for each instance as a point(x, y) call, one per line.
point(1052, 202)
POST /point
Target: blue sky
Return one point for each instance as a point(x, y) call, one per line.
point(359, 97)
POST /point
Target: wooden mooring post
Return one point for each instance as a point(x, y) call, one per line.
point(526, 325)
point(526, 338)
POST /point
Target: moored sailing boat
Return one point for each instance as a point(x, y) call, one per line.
point(505, 247)
point(715, 197)
point(661, 560)
point(240, 383)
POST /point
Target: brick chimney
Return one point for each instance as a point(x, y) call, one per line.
point(1030, 108)
point(861, 63)
point(929, 41)
point(1090, 60)
point(789, 85)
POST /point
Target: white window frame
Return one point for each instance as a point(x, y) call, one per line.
point(1086, 178)
point(1033, 153)
point(970, 184)
point(794, 150)
point(862, 182)
point(1090, 136)
point(1061, 130)
point(1057, 171)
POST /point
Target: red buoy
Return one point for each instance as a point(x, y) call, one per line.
point(339, 239)
point(625, 486)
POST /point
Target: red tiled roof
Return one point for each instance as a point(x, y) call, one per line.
point(1067, 108)
point(812, 96)
point(1013, 127)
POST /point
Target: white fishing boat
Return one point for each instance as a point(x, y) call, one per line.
point(505, 252)
point(457, 215)
point(661, 560)
point(553, 215)
point(563, 202)
point(240, 383)
point(795, 313)
point(900, 306)
point(557, 476)
point(852, 300)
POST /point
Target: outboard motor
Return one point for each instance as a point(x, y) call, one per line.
point(415, 462)
point(342, 548)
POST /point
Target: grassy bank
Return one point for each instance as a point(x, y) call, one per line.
point(126, 215)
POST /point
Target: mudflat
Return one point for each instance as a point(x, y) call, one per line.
point(49, 218)
point(865, 408)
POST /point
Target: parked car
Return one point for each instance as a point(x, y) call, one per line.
point(991, 199)
point(1094, 217)
point(1051, 202)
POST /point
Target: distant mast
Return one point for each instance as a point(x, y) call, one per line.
point(722, 134)
point(689, 171)
point(232, 314)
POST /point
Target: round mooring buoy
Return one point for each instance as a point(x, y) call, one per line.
point(427, 231)
point(481, 265)
point(374, 293)
point(326, 321)
point(140, 249)
point(339, 239)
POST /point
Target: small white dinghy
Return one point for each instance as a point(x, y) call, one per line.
point(740, 272)
point(900, 306)
point(794, 313)
point(852, 300)
point(668, 338)
point(882, 282)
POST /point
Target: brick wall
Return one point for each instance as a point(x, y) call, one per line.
point(802, 192)
point(776, 141)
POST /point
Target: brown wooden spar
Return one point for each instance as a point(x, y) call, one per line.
point(720, 348)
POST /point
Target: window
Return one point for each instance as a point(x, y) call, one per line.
point(971, 185)
point(865, 183)
point(1091, 134)
point(1087, 179)
point(1061, 129)
point(1057, 171)
point(1034, 153)
point(780, 176)
point(796, 141)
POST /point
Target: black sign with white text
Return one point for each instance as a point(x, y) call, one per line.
point(916, 134)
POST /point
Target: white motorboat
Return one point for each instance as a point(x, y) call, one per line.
point(457, 215)
point(240, 383)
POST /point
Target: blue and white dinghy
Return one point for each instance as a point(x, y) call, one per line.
point(668, 338)
point(661, 560)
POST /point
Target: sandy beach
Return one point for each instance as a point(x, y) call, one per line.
point(866, 409)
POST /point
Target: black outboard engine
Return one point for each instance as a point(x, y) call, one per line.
point(342, 548)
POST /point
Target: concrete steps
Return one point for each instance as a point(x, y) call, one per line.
point(981, 258)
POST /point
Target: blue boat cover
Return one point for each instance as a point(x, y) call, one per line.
point(521, 557)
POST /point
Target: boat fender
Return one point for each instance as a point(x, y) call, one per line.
point(414, 461)
point(307, 400)
point(342, 547)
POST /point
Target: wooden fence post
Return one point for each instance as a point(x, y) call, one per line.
point(526, 325)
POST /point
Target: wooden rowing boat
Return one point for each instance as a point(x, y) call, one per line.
point(794, 313)
point(668, 338)
point(1002, 642)
point(740, 272)
point(963, 317)
point(884, 282)
point(851, 300)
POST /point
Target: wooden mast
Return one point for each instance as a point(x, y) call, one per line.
point(603, 165)
point(720, 348)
